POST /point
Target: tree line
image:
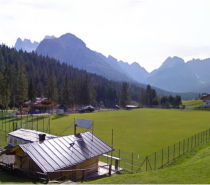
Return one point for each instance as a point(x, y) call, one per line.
point(25, 76)
point(149, 97)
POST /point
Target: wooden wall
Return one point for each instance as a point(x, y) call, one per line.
point(77, 173)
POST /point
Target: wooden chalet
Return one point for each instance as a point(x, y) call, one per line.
point(61, 156)
point(206, 101)
point(40, 105)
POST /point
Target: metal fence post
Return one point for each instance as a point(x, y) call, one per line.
point(188, 144)
point(205, 132)
point(201, 137)
point(183, 145)
point(191, 142)
point(179, 148)
point(168, 154)
point(155, 162)
point(162, 157)
point(119, 157)
point(146, 162)
point(209, 133)
point(174, 150)
point(195, 140)
point(132, 162)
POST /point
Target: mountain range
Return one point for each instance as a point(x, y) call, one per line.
point(27, 45)
point(173, 75)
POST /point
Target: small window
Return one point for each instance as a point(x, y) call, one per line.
point(19, 142)
point(15, 142)
point(10, 139)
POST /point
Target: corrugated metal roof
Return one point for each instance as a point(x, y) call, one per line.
point(62, 152)
point(29, 135)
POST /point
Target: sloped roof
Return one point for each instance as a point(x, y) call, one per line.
point(62, 152)
point(29, 135)
point(41, 101)
point(37, 101)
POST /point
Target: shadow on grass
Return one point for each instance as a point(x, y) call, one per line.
point(58, 116)
point(9, 178)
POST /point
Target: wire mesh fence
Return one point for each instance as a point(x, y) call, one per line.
point(135, 163)
point(9, 124)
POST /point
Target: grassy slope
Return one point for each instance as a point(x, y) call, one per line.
point(192, 103)
point(192, 168)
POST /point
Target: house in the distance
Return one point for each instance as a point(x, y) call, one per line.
point(40, 105)
point(88, 108)
point(206, 101)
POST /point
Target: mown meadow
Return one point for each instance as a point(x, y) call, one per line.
point(142, 131)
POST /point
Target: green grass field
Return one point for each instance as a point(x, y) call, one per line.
point(142, 131)
point(192, 103)
point(191, 168)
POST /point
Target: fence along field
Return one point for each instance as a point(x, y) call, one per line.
point(135, 163)
point(139, 133)
point(8, 124)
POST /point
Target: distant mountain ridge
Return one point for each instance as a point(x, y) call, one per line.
point(173, 75)
point(26, 45)
point(177, 76)
point(72, 50)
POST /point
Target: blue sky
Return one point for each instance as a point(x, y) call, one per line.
point(143, 31)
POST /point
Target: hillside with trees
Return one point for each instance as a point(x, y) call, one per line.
point(25, 76)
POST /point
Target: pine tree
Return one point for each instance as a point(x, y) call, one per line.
point(85, 92)
point(22, 86)
point(66, 94)
point(13, 85)
point(142, 97)
point(31, 91)
point(5, 87)
point(124, 96)
point(52, 91)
